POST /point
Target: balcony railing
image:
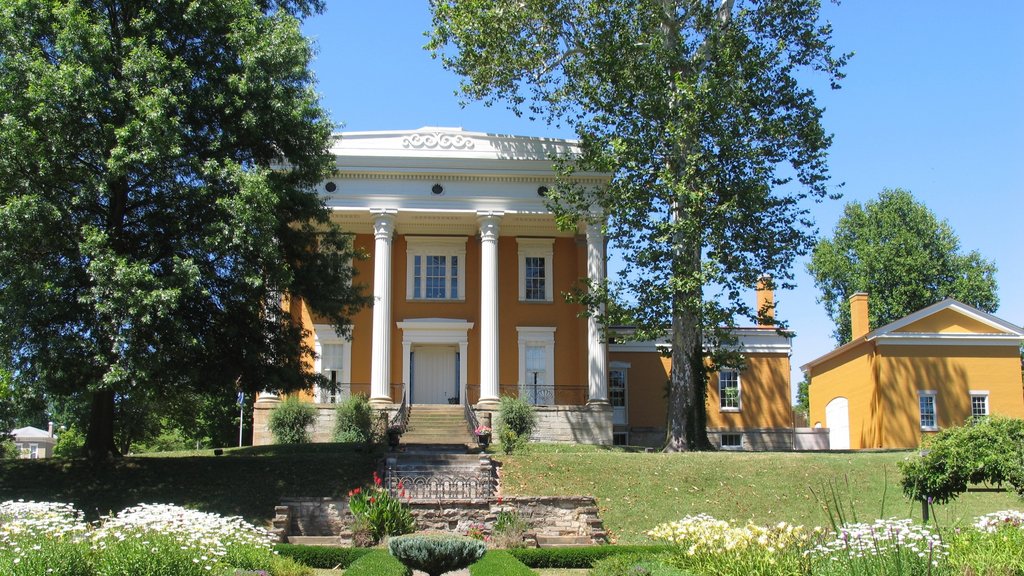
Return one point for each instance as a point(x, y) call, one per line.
point(547, 395)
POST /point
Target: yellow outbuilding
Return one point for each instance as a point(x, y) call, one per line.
point(936, 368)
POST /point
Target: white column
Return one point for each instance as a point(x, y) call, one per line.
point(380, 367)
point(597, 349)
point(489, 223)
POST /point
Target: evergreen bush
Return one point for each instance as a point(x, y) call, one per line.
point(436, 554)
point(290, 421)
point(321, 556)
point(377, 563)
point(516, 420)
point(354, 420)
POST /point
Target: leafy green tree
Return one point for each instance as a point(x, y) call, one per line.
point(147, 241)
point(803, 399)
point(695, 109)
point(896, 250)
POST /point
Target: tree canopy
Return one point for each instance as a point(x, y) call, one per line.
point(697, 110)
point(157, 165)
point(896, 250)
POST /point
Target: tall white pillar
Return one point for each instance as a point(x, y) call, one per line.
point(597, 349)
point(380, 367)
point(489, 228)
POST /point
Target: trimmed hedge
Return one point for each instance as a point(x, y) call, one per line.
point(580, 557)
point(500, 562)
point(377, 562)
point(321, 556)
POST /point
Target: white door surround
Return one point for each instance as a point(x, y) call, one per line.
point(837, 420)
point(435, 331)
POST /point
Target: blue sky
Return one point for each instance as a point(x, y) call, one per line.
point(933, 103)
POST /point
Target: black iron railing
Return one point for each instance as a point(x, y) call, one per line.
point(471, 421)
point(547, 394)
point(420, 483)
point(400, 421)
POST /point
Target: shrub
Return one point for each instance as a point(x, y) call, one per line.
point(635, 565)
point(379, 513)
point(321, 556)
point(516, 420)
point(580, 557)
point(8, 449)
point(499, 562)
point(377, 563)
point(354, 421)
point(989, 450)
point(70, 443)
point(508, 531)
point(436, 554)
point(290, 421)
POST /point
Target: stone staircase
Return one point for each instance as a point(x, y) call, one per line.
point(438, 425)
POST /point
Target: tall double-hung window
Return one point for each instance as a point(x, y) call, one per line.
point(535, 258)
point(929, 414)
point(729, 390)
point(436, 268)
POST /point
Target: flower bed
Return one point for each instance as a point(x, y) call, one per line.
point(51, 538)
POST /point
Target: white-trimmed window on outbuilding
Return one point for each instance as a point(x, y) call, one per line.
point(436, 268)
point(979, 404)
point(535, 265)
point(929, 410)
point(729, 390)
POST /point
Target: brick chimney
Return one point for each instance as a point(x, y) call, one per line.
point(765, 302)
point(859, 325)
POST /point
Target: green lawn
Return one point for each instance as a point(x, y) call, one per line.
point(635, 491)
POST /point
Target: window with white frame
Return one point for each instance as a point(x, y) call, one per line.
point(731, 441)
point(536, 365)
point(334, 359)
point(929, 415)
point(617, 387)
point(33, 450)
point(535, 259)
point(979, 403)
point(729, 390)
point(436, 268)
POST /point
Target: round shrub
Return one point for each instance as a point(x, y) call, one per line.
point(290, 422)
point(353, 421)
point(516, 420)
point(436, 554)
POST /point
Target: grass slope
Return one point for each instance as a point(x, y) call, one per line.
point(637, 491)
point(246, 482)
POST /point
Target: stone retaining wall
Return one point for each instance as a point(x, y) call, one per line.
point(545, 515)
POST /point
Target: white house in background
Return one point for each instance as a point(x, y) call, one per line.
point(33, 442)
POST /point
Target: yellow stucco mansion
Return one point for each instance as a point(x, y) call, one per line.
point(468, 270)
point(935, 368)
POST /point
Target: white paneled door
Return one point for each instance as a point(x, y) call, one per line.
point(435, 374)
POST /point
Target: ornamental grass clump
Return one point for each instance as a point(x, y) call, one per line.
point(436, 554)
point(892, 546)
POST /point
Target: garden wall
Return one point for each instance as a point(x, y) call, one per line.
point(299, 518)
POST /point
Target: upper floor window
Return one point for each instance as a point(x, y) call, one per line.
point(979, 403)
point(535, 259)
point(729, 390)
point(436, 268)
point(929, 418)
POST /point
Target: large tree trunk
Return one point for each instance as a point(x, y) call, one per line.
point(99, 440)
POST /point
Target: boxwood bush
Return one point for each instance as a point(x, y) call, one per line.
point(500, 562)
point(582, 556)
point(321, 556)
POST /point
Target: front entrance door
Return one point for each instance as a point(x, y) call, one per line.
point(434, 377)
